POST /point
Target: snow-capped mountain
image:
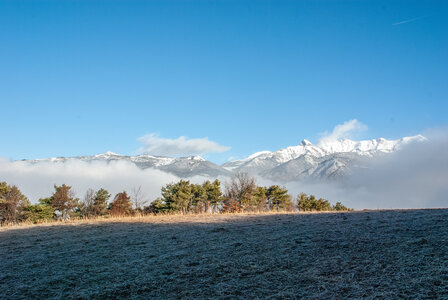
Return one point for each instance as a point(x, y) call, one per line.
point(306, 161)
point(182, 167)
point(324, 160)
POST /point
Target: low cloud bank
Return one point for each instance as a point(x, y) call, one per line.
point(415, 177)
point(37, 180)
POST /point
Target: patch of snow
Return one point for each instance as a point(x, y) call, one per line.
point(258, 154)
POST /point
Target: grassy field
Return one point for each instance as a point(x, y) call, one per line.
point(386, 254)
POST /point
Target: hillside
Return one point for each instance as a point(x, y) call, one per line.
point(375, 254)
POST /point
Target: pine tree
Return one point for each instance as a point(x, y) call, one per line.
point(260, 198)
point(39, 212)
point(278, 198)
point(63, 200)
point(99, 207)
point(302, 202)
point(156, 207)
point(339, 207)
point(177, 196)
point(213, 194)
point(323, 205)
point(198, 198)
point(12, 203)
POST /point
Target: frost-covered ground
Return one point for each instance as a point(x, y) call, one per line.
point(386, 254)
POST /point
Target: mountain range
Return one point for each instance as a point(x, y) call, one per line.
point(323, 161)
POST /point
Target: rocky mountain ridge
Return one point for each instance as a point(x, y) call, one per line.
point(306, 161)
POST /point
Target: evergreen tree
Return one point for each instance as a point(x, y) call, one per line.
point(323, 205)
point(198, 198)
point(46, 201)
point(278, 198)
point(156, 207)
point(207, 186)
point(177, 196)
point(312, 203)
point(39, 212)
point(302, 202)
point(260, 198)
point(339, 207)
point(12, 203)
point(213, 194)
point(63, 201)
point(4, 189)
point(99, 207)
point(305, 203)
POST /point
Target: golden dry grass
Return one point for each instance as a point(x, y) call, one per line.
point(160, 218)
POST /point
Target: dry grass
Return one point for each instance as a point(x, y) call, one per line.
point(385, 254)
point(160, 218)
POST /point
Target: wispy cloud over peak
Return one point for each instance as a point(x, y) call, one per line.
point(343, 131)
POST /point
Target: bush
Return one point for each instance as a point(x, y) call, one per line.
point(38, 213)
point(305, 203)
point(156, 207)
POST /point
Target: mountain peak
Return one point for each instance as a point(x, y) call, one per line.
point(305, 142)
point(196, 157)
point(108, 153)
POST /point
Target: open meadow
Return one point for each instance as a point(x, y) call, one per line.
point(367, 254)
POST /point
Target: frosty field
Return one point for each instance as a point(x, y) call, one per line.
point(386, 254)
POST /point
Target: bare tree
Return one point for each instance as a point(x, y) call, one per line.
point(138, 197)
point(239, 192)
point(87, 203)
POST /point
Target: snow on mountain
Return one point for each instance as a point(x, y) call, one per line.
point(331, 159)
point(181, 167)
point(369, 147)
point(306, 161)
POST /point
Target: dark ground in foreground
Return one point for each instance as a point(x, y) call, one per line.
point(385, 254)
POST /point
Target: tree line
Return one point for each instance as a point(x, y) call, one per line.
point(241, 194)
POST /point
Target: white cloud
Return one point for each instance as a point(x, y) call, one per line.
point(182, 146)
point(343, 131)
point(414, 177)
point(408, 21)
point(37, 180)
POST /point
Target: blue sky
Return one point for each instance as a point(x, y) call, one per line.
point(84, 77)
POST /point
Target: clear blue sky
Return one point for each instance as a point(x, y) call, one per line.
point(84, 77)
